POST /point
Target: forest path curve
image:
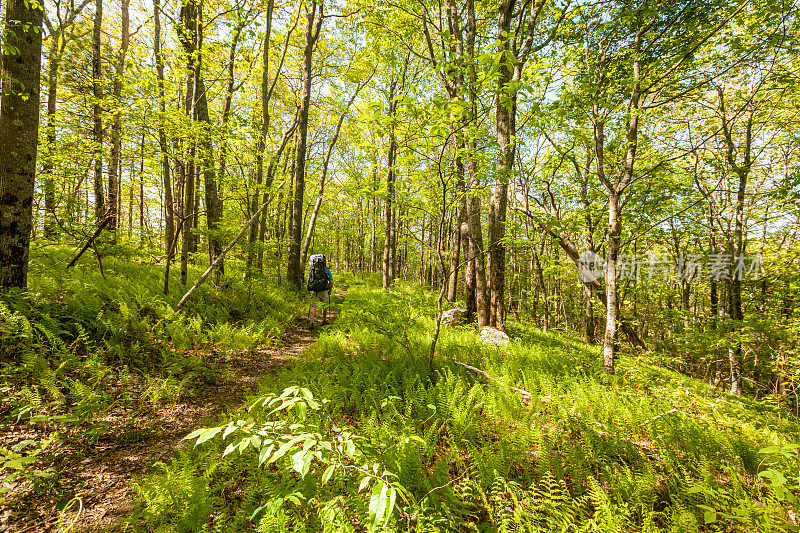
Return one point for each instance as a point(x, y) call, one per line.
point(100, 473)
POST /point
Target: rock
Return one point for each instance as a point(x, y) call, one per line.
point(451, 317)
point(494, 337)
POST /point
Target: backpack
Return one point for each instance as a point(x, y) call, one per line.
point(317, 274)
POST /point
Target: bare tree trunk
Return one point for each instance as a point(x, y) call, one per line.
point(252, 253)
point(48, 168)
point(97, 114)
point(460, 220)
point(169, 202)
point(294, 272)
point(212, 203)
point(476, 255)
point(19, 129)
point(612, 301)
point(388, 273)
point(188, 32)
point(737, 246)
point(115, 165)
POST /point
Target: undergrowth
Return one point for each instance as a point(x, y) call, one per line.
point(81, 343)
point(643, 450)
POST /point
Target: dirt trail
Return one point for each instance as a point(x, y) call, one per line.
point(100, 473)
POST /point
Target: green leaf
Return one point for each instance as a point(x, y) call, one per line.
point(228, 430)
point(390, 505)
point(229, 448)
point(194, 434)
point(208, 435)
point(285, 448)
point(378, 502)
point(364, 483)
point(265, 453)
point(244, 443)
point(328, 473)
point(301, 461)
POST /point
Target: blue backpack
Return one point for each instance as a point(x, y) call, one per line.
point(317, 273)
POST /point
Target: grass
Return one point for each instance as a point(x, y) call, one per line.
point(591, 452)
point(80, 343)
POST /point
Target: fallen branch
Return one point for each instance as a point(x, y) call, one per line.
point(526, 396)
point(91, 240)
point(224, 252)
point(662, 415)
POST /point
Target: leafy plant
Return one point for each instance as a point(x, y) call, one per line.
point(293, 431)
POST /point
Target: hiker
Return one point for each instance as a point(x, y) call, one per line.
point(320, 285)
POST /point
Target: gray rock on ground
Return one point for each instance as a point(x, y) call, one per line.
point(495, 337)
point(451, 317)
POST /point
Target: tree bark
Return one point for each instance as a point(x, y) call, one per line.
point(460, 220)
point(97, 114)
point(294, 271)
point(48, 168)
point(19, 127)
point(169, 202)
point(475, 254)
point(189, 34)
point(388, 272)
point(115, 166)
point(735, 287)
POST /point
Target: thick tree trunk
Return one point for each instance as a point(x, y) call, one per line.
point(189, 36)
point(97, 114)
point(735, 290)
point(19, 127)
point(294, 271)
point(475, 254)
point(505, 116)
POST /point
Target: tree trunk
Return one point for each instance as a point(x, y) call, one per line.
point(169, 202)
point(48, 168)
point(735, 289)
point(115, 166)
point(505, 116)
point(212, 203)
point(294, 271)
point(252, 253)
point(612, 301)
point(388, 273)
point(97, 114)
point(188, 32)
point(476, 255)
point(461, 212)
point(19, 128)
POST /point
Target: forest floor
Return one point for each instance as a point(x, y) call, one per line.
point(94, 479)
